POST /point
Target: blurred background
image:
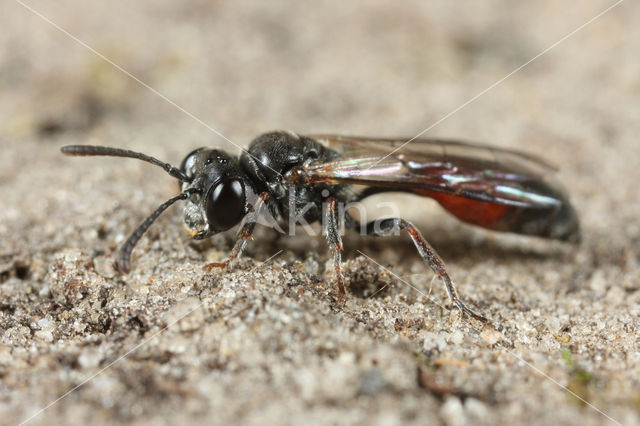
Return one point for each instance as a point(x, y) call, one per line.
point(374, 69)
point(237, 69)
point(377, 69)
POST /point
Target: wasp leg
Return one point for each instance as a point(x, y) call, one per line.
point(335, 241)
point(386, 227)
point(244, 234)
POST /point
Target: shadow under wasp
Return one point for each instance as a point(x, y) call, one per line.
point(294, 175)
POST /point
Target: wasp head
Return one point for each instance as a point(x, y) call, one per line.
point(222, 193)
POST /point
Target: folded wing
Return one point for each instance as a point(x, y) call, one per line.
point(487, 186)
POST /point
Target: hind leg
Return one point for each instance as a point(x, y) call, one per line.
point(385, 227)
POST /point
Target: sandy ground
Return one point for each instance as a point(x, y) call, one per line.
point(267, 342)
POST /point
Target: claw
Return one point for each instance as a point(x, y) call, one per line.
point(216, 265)
point(469, 312)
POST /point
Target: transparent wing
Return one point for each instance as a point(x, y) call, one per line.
point(432, 167)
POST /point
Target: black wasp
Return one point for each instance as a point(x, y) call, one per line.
point(294, 176)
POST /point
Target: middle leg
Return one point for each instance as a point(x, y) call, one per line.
point(335, 241)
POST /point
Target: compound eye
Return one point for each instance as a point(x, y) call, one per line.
point(189, 161)
point(226, 204)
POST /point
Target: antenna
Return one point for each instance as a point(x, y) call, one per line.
point(92, 150)
point(124, 261)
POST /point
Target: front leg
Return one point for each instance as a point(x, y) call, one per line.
point(335, 241)
point(244, 233)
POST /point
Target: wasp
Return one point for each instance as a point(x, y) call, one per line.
point(292, 175)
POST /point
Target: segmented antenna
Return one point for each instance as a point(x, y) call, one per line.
point(92, 150)
point(124, 261)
